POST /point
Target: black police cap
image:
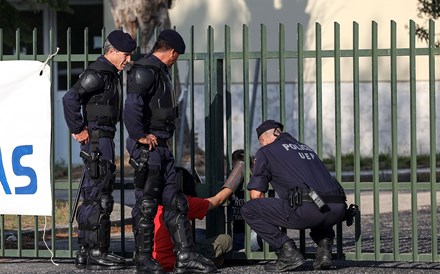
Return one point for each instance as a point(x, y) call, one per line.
point(266, 125)
point(173, 39)
point(122, 41)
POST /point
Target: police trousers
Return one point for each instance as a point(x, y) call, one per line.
point(92, 190)
point(268, 215)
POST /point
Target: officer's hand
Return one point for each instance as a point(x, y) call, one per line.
point(149, 140)
point(82, 137)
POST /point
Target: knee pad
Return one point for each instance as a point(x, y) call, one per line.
point(146, 211)
point(106, 204)
point(154, 184)
point(148, 207)
point(180, 203)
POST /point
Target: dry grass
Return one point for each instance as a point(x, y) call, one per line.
point(12, 222)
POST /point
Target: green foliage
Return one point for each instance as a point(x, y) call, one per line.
point(429, 9)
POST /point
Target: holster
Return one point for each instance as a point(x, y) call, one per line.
point(140, 169)
point(92, 163)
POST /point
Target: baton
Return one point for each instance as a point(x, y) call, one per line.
point(78, 193)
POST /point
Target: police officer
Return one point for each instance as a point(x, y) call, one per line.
point(309, 197)
point(149, 114)
point(91, 111)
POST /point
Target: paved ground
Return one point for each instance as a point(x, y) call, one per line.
point(34, 266)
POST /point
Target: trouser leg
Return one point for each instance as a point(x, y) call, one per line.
point(94, 224)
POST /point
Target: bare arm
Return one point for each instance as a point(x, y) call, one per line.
point(219, 198)
point(255, 194)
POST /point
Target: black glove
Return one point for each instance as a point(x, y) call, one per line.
point(350, 213)
point(236, 177)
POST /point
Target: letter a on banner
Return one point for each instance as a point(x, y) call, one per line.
point(25, 112)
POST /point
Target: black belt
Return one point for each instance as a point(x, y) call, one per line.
point(100, 133)
point(326, 198)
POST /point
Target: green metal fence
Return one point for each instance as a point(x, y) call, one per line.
point(356, 242)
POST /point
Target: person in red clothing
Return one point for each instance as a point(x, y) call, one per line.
point(198, 209)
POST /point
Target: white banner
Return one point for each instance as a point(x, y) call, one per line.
point(25, 124)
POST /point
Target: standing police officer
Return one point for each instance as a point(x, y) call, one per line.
point(91, 111)
point(149, 114)
point(309, 197)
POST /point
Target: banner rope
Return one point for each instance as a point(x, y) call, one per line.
point(44, 240)
point(47, 60)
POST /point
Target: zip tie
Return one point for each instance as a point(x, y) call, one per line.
point(47, 60)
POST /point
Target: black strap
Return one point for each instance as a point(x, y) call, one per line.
point(328, 199)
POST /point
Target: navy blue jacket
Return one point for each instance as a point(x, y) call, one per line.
point(287, 163)
point(75, 100)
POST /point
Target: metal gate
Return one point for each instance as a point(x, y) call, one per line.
point(393, 235)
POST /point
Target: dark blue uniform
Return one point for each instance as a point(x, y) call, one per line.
point(93, 103)
point(286, 164)
point(141, 107)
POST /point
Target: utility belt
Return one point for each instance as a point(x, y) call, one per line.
point(297, 196)
point(100, 133)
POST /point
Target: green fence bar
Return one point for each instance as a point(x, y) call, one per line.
point(433, 144)
point(69, 140)
point(228, 80)
point(282, 72)
point(300, 68)
point(413, 123)
point(318, 84)
point(375, 137)
point(394, 166)
point(356, 123)
point(337, 77)
point(263, 69)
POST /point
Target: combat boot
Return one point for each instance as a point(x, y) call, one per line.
point(100, 259)
point(192, 262)
point(81, 258)
point(289, 258)
point(323, 254)
point(146, 264)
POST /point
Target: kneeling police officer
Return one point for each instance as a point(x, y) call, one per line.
point(309, 197)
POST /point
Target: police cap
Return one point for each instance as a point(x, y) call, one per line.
point(266, 125)
point(121, 41)
point(173, 39)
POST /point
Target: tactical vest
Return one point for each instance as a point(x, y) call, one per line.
point(161, 112)
point(103, 105)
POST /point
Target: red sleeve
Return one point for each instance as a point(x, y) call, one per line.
point(198, 207)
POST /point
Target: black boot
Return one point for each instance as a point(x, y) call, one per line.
point(192, 262)
point(144, 240)
point(146, 264)
point(81, 257)
point(289, 258)
point(323, 254)
point(100, 259)
point(187, 260)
